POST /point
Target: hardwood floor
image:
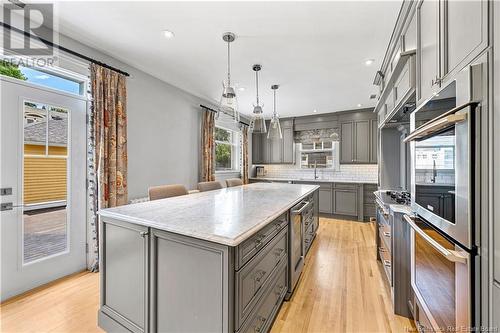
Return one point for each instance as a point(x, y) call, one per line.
point(341, 290)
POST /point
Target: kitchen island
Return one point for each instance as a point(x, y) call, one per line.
point(213, 261)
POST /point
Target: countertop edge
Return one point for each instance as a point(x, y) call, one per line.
point(315, 180)
point(232, 242)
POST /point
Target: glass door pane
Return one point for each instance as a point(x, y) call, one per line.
point(45, 178)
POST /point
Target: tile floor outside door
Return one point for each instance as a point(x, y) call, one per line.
point(341, 290)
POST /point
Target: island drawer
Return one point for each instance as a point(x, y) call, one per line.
point(309, 235)
point(253, 278)
point(246, 250)
point(261, 319)
point(385, 257)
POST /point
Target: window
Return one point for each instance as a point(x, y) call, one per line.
point(226, 149)
point(54, 78)
point(52, 81)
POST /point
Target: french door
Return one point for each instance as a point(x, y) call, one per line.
point(43, 187)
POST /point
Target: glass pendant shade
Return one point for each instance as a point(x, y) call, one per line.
point(258, 124)
point(274, 131)
point(229, 102)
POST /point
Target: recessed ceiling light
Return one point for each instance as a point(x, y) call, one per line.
point(168, 34)
point(369, 62)
point(315, 110)
point(360, 105)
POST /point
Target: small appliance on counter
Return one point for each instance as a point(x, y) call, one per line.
point(260, 171)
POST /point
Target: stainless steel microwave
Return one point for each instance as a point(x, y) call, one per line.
point(442, 152)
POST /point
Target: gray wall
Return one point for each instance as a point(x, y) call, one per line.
point(163, 128)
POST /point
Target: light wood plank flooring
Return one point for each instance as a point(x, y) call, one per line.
point(341, 290)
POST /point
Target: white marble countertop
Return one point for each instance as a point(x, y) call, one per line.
point(319, 180)
point(227, 216)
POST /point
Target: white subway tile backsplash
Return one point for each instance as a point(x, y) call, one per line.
point(347, 172)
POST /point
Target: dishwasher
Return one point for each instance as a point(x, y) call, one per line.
point(296, 243)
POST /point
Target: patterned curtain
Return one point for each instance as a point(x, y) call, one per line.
point(208, 146)
point(109, 124)
point(244, 153)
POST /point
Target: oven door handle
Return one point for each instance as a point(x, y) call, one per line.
point(451, 255)
point(449, 118)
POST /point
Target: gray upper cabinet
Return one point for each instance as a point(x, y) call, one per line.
point(362, 141)
point(465, 33)
point(356, 142)
point(288, 145)
point(257, 148)
point(346, 142)
point(274, 151)
point(428, 49)
point(374, 141)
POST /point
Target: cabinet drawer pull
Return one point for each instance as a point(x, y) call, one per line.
point(387, 234)
point(258, 240)
point(387, 263)
point(260, 274)
point(278, 252)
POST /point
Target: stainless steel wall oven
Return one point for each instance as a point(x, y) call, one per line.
point(443, 242)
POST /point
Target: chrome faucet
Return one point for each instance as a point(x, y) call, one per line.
point(316, 170)
point(434, 172)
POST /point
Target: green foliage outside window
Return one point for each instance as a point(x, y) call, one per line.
point(222, 156)
point(9, 69)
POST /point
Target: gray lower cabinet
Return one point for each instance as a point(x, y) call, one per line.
point(496, 304)
point(262, 316)
point(345, 200)
point(125, 251)
point(325, 200)
point(156, 281)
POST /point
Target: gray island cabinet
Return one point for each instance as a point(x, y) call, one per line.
point(207, 262)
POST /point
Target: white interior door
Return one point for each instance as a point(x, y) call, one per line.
point(42, 177)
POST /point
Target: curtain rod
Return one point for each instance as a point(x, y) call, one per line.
point(62, 48)
point(215, 111)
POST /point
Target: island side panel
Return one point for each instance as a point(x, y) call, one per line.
point(124, 256)
point(191, 284)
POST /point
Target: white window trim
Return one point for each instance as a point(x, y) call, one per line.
point(235, 154)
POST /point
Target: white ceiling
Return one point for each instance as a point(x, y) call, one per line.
point(314, 50)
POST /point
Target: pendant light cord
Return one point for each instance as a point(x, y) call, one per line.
point(228, 65)
point(257, 84)
point(274, 111)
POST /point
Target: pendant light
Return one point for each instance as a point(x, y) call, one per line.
point(274, 127)
point(258, 124)
point(228, 102)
